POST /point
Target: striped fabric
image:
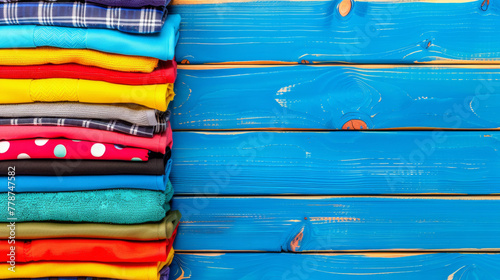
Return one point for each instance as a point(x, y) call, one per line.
point(109, 125)
point(114, 3)
point(87, 15)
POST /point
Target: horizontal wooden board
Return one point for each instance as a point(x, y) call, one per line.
point(375, 266)
point(301, 223)
point(214, 31)
point(331, 97)
point(338, 162)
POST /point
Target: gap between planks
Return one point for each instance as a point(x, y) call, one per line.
point(380, 253)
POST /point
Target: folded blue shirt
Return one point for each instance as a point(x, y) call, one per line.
point(25, 183)
point(160, 45)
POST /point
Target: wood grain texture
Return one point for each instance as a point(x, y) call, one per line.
point(254, 31)
point(328, 97)
point(301, 224)
point(375, 266)
point(339, 162)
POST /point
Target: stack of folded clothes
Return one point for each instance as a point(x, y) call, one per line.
point(85, 139)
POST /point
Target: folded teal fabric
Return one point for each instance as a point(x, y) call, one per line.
point(119, 206)
point(24, 183)
point(160, 45)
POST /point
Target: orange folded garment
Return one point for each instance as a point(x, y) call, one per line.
point(92, 250)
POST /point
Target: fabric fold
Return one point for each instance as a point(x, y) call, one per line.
point(15, 91)
point(26, 184)
point(159, 45)
point(164, 229)
point(164, 275)
point(68, 149)
point(63, 167)
point(117, 206)
point(83, 15)
point(49, 55)
point(164, 74)
point(157, 144)
point(127, 271)
point(131, 113)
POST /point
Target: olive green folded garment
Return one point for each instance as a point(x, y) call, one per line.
point(46, 230)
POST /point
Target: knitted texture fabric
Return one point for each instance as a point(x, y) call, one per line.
point(161, 45)
point(47, 55)
point(131, 113)
point(52, 90)
point(118, 206)
point(48, 90)
point(165, 73)
point(65, 38)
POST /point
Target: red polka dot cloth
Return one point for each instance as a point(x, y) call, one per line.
point(68, 149)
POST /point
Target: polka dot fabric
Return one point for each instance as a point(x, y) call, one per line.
point(68, 149)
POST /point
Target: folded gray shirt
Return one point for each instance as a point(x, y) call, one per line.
point(131, 113)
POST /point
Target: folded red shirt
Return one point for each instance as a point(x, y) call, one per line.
point(165, 73)
point(95, 250)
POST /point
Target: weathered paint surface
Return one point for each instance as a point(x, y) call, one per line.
point(338, 223)
point(315, 31)
point(373, 266)
point(338, 162)
point(329, 97)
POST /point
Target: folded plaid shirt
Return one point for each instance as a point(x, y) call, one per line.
point(114, 3)
point(110, 125)
point(80, 14)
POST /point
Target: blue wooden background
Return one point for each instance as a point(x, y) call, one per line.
point(271, 179)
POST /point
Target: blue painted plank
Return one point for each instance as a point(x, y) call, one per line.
point(214, 31)
point(338, 162)
point(330, 97)
point(375, 266)
point(311, 223)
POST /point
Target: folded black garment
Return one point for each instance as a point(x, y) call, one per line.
point(46, 167)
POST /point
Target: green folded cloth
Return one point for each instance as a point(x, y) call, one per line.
point(116, 206)
point(138, 232)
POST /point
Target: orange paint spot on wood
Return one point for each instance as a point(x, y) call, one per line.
point(295, 243)
point(354, 125)
point(181, 277)
point(345, 7)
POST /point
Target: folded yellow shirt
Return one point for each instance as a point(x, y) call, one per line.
point(39, 56)
point(15, 91)
point(131, 271)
